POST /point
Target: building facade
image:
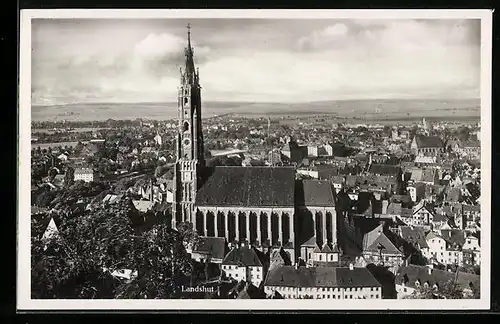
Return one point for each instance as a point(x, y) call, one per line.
point(322, 283)
point(84, 174)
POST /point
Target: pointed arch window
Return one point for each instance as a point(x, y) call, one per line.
point(185, 128)
point(186, 101)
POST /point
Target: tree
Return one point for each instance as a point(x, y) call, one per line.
point(95, 244)
point(69, 177)
point(45, 197)
point(159, 171)
point(52, 173)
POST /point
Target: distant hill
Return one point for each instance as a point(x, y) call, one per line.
point(369, 109)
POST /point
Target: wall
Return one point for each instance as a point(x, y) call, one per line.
point(235, 272)
point(255, 275)
point(437, 248)
point(326, 292)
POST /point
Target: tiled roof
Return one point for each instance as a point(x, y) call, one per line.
point(384, 169)
point(288, 276)
point(428, 141)
point(453, 236)
point(310, 242)
point(410, 274)
point(215, 246)
point(414, 235)
point(423, 175)
point(247, 186)
point(314, 193)
point(376, 240)
point(242, 256)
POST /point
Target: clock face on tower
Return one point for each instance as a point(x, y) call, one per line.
point(187, 142)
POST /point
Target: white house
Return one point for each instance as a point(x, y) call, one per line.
point(294, 282)
point(243, 264)
point(423, 215)
point(444, 249)
point(85, 174)
point(416, 191)
point(437, 247)
point(63, 157)
point(471, 243)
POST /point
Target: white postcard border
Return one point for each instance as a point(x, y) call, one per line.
point(24, 301)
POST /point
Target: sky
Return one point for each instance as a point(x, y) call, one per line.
point(254, 60)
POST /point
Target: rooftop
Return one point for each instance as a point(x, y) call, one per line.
point(247, 186)
point(290, 276)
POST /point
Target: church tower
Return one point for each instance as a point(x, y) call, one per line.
point(189, 142)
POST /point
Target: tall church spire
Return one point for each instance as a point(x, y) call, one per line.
point(190, 71)
point(189, 141)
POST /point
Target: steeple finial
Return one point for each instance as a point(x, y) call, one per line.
point(190, 68)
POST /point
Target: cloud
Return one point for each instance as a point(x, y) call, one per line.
point(333, 60)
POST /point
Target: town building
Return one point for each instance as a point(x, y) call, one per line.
point(412, 278)
point(294, 282)
point(243, 264)
point(84, 174)
point(380, 250)
point(427, 145)
point(209, 249)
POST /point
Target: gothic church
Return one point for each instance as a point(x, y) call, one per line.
point(263, 206)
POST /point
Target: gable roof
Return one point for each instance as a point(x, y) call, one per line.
point(326, 249)
point(314, 193)
point(423, 204)
point(310, 242)
point(247, 186)
point(376, 240)
point(289, 276)
point(242, 256)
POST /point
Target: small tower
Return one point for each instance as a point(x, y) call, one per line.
point(189, 141)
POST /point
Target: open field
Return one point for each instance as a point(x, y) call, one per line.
point(52, 145)
point(364, 109)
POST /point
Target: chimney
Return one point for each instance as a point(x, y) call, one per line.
point(351, 266)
